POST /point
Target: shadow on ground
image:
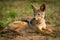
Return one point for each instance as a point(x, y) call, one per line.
point(13, 35)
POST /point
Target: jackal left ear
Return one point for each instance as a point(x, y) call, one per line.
point(43, 7)
point(34, 8)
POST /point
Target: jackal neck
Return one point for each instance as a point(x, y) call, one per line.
point(37, 22)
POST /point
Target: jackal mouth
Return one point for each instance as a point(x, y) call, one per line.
point(37, 19)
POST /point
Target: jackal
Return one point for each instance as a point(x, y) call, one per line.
point(37, 22)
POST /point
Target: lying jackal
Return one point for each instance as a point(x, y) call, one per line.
point(37, 22)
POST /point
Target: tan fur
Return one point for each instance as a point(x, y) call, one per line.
point(17, 25)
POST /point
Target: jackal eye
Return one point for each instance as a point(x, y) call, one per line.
point(38, 14)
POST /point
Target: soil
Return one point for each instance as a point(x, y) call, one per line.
point(29, 34)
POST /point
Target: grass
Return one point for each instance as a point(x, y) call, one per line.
point(10, 11)
point(52, 14)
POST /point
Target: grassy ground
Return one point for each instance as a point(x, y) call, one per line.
point(17, 10)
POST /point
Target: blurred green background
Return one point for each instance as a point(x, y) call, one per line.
point(11, 10)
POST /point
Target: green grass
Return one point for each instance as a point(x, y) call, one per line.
point(18, 9)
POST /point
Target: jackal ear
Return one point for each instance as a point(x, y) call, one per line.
point(43, 7)
point(33, 7)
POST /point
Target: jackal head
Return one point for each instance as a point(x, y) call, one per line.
point(39, 13)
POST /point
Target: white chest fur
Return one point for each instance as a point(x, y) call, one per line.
point(42, 25)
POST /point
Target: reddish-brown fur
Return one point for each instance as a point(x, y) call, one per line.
point(17, 25)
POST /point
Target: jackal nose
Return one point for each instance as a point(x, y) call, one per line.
point(34, 18)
